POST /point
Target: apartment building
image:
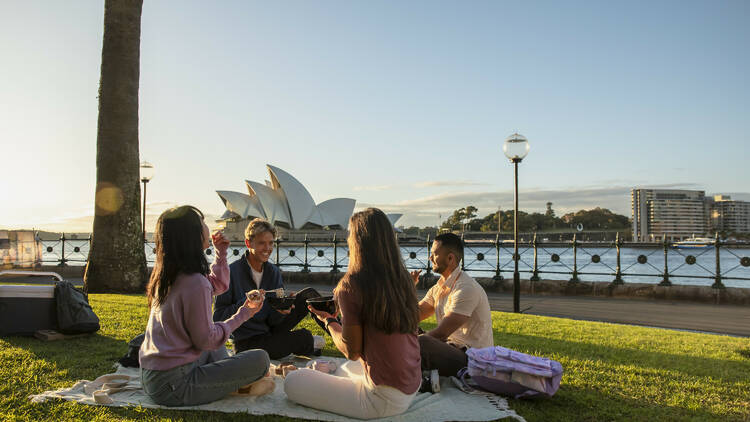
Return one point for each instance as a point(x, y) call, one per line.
point(676, 213)
point(729, 216)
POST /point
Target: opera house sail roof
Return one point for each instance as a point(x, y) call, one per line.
point(286, 202)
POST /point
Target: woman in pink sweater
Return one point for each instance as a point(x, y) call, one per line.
point(183, 358)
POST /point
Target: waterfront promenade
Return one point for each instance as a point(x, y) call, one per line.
point(718, 319)
point(681, 315)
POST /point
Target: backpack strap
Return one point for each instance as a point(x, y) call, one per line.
point(462, 382)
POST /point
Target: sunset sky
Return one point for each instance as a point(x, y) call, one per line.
point(400, 105)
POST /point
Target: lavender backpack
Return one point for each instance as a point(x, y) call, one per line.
point(510, 373)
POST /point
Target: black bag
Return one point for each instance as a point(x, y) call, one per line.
point(74, 314)
point(130, 360)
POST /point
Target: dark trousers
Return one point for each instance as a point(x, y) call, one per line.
point(279, 344)
point(447, 358)
point(281, 340)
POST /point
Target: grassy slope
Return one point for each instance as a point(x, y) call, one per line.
point(612, 372)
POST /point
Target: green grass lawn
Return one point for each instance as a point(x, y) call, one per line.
point(612, 372)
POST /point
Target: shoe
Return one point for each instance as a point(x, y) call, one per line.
point(430, 382)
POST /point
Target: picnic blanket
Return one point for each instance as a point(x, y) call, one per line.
point(123, 388)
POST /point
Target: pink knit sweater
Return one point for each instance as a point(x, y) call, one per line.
point(181, 328)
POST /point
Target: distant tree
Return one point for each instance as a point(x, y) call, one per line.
point(460, 217)
point(597, 219)
point(489, 222)
point(116, 260)
point(470, 211)
point(550, 212)
point(453, 222)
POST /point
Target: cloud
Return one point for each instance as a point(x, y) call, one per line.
point(373, 188)
point(425, 210)
point(685, 185)
point(445, 183)
point(81, 220)
point(615, 197)
point(421, 185)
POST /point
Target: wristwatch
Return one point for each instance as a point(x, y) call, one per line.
point(330, 320)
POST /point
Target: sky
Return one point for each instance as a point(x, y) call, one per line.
point(399, 105)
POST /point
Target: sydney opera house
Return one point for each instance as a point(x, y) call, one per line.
point(286, 203)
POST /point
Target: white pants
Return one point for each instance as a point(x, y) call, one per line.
point(353, 395)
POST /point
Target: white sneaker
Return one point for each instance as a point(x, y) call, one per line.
point(319, 342)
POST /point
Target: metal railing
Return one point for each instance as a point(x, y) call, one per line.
point(571, 260)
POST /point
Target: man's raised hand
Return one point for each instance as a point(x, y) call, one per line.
point(415, 276)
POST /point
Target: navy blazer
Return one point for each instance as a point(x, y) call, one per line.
point(240, 282)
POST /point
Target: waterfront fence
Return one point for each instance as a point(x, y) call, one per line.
point(599, 261)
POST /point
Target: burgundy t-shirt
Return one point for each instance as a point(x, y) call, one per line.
point(390, 359)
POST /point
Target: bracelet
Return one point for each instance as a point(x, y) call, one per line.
point(330, 320)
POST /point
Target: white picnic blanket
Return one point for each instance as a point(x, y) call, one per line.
point(123, 388)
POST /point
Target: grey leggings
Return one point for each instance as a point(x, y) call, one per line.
point(214, 375)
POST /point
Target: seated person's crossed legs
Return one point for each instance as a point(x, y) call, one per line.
point(447, 358)
point(281, 340)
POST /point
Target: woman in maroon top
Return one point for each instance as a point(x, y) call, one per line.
point(378, 328)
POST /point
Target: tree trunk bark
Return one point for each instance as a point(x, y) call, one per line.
point(117, 262)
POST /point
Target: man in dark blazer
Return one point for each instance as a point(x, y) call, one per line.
point(269, 329)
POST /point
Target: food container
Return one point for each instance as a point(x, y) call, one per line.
point(323, 303)
point(280, 303)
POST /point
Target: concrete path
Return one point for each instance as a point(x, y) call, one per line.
point(719, 319)
point(724, 319)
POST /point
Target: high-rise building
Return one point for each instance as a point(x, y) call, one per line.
point(729, 216)
point(676, 213)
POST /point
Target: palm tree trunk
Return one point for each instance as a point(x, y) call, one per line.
point(117, 262)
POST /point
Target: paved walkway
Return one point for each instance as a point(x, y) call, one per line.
point(723, 319)
point(720, 319)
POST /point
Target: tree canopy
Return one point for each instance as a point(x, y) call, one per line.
point(594, 219)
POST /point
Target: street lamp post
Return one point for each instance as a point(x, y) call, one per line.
point(147, 173)
point(515, 148)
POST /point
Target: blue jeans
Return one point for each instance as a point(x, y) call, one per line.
point(214, 375)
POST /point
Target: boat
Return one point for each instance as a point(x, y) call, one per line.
point(694, 243)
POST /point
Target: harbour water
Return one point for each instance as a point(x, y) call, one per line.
point(688, 267)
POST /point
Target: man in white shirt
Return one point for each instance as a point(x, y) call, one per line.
point(460, 307)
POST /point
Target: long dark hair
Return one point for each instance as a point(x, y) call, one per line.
point(377, 274)
point(179, 249)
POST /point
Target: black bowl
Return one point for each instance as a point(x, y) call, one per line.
point(280, 303)
point(323, 303)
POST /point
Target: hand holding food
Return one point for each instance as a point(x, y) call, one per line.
point(256, 297)
point(321, 315)
point(219, 240)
